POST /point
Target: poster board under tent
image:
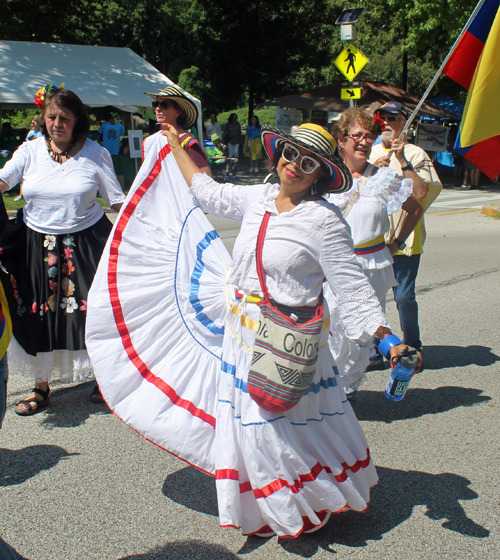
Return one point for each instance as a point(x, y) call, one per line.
point(432, 137)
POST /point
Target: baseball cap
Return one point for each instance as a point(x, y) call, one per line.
point(393, 107)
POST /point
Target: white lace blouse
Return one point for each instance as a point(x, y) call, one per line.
point(383, 194)
point(62, 198)
point(301, 248)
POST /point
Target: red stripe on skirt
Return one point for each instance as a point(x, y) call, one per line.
point(307, 524)
point(116, 304)
point(278, 484)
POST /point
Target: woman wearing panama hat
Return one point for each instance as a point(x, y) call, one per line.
point(172, 107)
point(276, 473)
point(301, 465)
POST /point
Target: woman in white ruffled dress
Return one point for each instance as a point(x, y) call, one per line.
point(376, 193)
point(172, 323)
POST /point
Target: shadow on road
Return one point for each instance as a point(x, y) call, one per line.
point(392, 504)
point(192, 489)
point(182, 550)
point(22, 464)
point(373, 406)
point(8, 553)
point(71, 407)
point(442, 357)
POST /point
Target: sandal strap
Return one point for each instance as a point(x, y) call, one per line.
point(43, 394)
point(28, 404)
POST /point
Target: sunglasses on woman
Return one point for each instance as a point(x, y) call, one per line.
point(307, 163)
point(163, 105)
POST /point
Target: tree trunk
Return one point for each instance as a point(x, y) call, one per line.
point(251, 96)
point(404, 76)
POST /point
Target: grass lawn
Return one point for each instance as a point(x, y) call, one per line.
point(10, 204)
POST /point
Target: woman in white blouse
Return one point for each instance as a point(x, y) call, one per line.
point(283, 473)
point(52, 253)
point(375, 195)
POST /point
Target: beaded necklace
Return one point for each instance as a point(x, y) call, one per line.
point(57, 156)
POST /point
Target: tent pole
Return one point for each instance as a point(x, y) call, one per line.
point(440, 71)
point(132, 127)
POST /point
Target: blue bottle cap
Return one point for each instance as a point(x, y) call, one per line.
point(387, 343)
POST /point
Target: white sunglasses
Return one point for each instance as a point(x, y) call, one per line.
point(307, 163)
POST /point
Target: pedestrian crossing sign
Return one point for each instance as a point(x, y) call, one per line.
point(351, 93)
point(351, 61)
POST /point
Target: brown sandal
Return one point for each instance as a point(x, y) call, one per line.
point(96, 396)
point(40, 403)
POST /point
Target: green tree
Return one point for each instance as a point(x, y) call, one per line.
point(254, 49)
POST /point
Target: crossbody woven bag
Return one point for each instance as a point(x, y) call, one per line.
point(286, 346)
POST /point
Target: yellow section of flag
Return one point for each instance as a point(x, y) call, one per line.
point(481, 118)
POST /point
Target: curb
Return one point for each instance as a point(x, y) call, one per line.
point(491, 209)
point(13, 213)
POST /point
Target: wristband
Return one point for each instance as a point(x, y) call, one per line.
point(408, 167)
point(400, 244)
point(387, 343)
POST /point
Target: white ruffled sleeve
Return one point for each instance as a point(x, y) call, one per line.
point(226, 200)
point(394, 190)
point(357, 304)
point(341, 199)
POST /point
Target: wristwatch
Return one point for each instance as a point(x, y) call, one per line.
point(408, 167)
point(400, 244)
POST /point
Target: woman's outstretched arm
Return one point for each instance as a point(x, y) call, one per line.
point(183, 159)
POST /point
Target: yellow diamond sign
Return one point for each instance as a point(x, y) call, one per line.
point(351, 61)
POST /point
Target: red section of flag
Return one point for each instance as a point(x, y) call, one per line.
point(485, 156)
point(463, 61)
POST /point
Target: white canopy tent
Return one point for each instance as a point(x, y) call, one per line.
point(100, 76)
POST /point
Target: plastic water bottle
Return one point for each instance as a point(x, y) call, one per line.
point(402, 369)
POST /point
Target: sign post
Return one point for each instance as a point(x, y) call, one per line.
point(351, 60)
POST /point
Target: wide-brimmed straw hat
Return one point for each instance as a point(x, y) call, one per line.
point(186, 105)
point(318, 141)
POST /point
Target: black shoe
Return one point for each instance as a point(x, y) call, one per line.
point(96, 396)
point(376, 363)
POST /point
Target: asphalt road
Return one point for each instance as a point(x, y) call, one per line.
point(457, 198)
point(77, 483)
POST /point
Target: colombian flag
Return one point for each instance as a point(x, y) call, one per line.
point(463, 61)
point(474, 65)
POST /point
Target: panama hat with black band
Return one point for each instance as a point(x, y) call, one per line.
point(319, 142)
point(186, 105)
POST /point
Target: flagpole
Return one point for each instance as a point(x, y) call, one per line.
point(440, 71)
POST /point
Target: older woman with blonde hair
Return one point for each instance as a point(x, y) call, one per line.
point(375, 195)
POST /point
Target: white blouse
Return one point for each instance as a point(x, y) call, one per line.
point(61, 198)
point(383, 194)
point(301, 248)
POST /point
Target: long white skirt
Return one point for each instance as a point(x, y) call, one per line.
point(285, 472)
point(171, 349)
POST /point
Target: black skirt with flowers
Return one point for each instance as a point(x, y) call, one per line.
point(46, 279)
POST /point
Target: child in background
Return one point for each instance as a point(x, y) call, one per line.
point(215, 152)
